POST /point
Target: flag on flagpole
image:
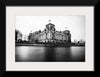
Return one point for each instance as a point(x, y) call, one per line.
point(49, 20)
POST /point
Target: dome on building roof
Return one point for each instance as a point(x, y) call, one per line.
point(50, 25)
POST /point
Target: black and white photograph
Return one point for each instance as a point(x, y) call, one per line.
point(50, 38)
point(47, 36)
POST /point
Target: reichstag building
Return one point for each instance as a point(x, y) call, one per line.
point(50, 35)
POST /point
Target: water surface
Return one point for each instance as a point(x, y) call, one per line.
point(49, 54)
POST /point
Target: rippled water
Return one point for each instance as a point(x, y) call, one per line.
point(49, 54)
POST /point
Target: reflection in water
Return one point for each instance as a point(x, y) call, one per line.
point(49, 54)
point(25, 53)
point(63, 54)
point(77, 53)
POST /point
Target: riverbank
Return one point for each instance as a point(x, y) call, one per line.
point(49, 45)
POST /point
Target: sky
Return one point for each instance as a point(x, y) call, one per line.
point(76, 24)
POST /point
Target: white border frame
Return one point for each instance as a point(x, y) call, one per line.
point(13, 11)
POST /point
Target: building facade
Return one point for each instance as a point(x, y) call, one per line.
point(50, 35)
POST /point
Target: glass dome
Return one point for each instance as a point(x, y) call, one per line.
point(50, 26)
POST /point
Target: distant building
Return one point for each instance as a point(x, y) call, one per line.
point(25, 38)
point(18, 36)
point(50, 35)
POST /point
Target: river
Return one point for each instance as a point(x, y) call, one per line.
point(49, 54)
